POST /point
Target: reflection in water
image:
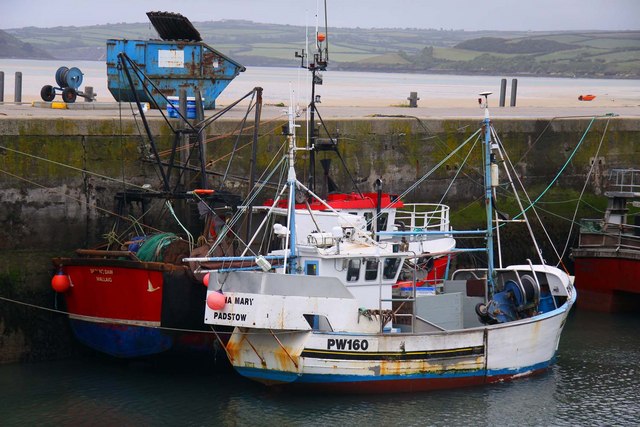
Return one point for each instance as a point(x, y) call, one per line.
point(594, 382)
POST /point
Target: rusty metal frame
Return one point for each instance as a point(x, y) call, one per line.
point(284, 349)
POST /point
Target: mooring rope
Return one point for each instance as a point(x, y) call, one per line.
point(124, 322)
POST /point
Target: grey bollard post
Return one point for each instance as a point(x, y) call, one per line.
point(18, 92)
point(503, 91)
point(89, 96)
point(1, 86)
point(514, 90)
point(413, 99)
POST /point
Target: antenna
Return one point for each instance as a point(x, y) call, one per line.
point(486, 99)
point(316, 64)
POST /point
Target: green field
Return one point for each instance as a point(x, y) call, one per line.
point(585, 53)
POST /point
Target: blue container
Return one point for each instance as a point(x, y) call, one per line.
point(171, 65)
point(173, 106)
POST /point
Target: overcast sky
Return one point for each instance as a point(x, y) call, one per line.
point(448, 14)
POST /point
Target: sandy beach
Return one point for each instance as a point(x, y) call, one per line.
point(367, 91)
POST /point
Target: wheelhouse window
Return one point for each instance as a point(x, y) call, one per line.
point(353, 270)
point(382, 221)
point(368, 216)
point(371, 269)
point(311, 268)
point(390, 268)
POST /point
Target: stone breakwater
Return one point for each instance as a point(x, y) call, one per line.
point(59, 175)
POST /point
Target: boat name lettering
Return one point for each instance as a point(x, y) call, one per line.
point(239, 300)
point(347, 344)
point(229, 316)
point(100, 271)
point(103, 279)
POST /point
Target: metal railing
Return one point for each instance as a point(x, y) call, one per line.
point(627, 180)
point(424, 216)
point(595, 233)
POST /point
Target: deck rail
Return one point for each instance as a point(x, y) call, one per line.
point(595, 233)
point(625, 180)
point(424, 216)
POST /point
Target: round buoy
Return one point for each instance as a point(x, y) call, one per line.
point(205, 280)
point(60, 282)
point(321, 37)
point(215, 300)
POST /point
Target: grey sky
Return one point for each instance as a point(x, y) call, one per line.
point(448, 14)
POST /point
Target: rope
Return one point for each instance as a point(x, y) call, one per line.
point(553, 181)
point(98, 208)
point(73, 168)
point(124, 322)
point(428, 174)
point(584, 187)
point(189, 236)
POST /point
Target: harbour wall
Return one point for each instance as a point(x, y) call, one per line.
point(58, 178)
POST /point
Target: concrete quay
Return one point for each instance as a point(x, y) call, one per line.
point(88, 110)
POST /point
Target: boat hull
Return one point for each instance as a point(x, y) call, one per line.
point(131, 309)
point(608, 279)
point(393, 362)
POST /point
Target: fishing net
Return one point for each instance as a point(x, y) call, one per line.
point(153, 247)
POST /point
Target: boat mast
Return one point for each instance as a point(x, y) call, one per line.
point(488, 198)
point(291, 182)
point(316, 65)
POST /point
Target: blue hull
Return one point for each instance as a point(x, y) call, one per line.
point(124, 341)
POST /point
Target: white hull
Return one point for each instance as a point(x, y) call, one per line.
point(279, 347)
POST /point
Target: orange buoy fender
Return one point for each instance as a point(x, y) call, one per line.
point(205, 280)
point(215, 300)
point(60, 282)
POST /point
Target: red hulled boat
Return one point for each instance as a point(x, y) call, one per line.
point(607, 259)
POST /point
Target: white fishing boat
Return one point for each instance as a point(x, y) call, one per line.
point(327, 316)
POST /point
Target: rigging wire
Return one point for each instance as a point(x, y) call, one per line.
point(81, 201)
point(584, 187)
point(532, 203)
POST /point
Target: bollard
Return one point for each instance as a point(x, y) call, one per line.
point(413, 99)
point(514, 90)
point(503, 91)
point(89, 96)
point(18, 91)
point(1, 86)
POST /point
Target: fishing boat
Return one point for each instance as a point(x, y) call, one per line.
point(133, 296)
point(586, 97)
point(327, 316)
point(381, 211)
point(607, 258)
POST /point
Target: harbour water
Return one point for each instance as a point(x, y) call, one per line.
point(361, 89)
point(595, 381)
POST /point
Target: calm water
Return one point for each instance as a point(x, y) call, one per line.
point(596, 381)
point(351, 88)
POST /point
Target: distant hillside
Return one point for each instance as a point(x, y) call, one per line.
point(571, 54)
point(522, 46)
point(12, 47)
